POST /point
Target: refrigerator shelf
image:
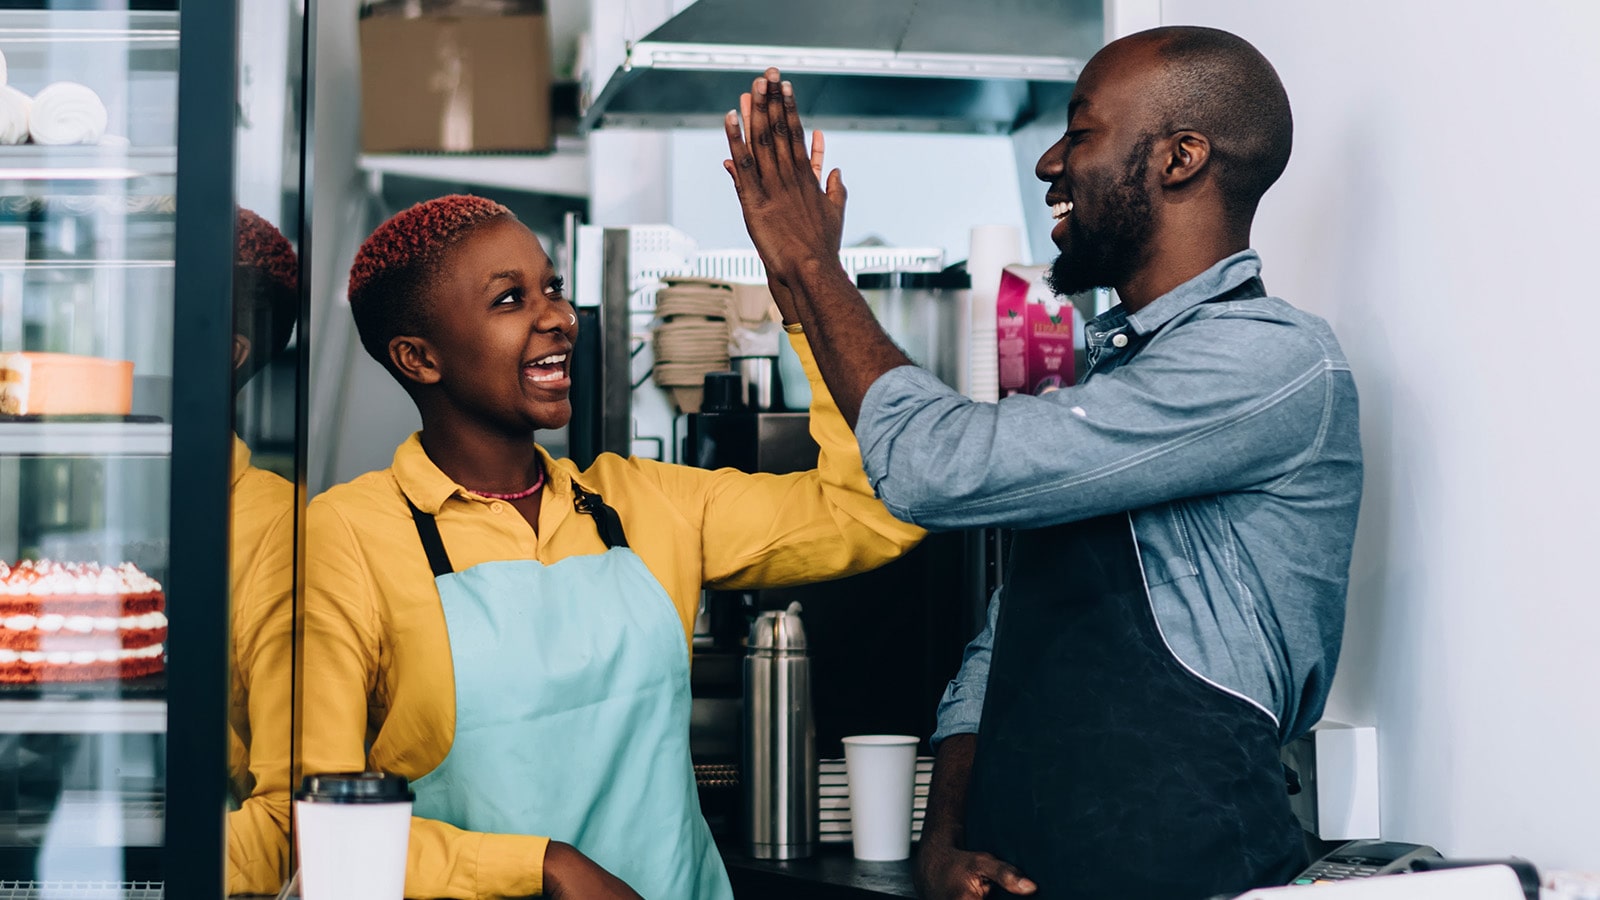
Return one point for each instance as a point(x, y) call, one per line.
point(101, 163)
point(87, 439)
point(80, 890)
point(73, 716)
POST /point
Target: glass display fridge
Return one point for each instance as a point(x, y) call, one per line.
point(151, 163)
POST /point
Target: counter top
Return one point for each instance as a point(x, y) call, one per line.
point(831, 874)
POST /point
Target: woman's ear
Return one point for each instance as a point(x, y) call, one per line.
point(415, 359)
point(1188, 154)
point(241, 350)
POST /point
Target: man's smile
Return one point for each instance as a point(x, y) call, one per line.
point(1060, 209)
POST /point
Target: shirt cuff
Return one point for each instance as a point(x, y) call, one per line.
point(511, 865)
point(960, 711)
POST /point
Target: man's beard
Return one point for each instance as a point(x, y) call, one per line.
point(1109, 252)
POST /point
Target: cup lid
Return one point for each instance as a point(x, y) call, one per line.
point(355, 787)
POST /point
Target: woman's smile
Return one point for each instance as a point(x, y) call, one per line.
point(551, 372)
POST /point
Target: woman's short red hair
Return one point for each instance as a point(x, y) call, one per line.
point(266, 290)
point(261, 246)
point(415, 234)
point(390, 270)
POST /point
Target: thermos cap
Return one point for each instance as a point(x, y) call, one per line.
point(778, 631)
point(356, 787)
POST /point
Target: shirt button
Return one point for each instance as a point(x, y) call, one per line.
point(497, 506)
point(1119, 341)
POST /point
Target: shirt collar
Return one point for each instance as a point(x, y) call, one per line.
point(241, 458)
point(428, 487)
point(1208, 285)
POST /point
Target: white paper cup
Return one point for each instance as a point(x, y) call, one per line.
point(881, 770)
point(991, 249)
point(352, 830)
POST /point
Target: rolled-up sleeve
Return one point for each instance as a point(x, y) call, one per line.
point(1222, 404)
point(961, 707)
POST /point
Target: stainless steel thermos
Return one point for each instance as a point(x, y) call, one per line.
point(780, 740)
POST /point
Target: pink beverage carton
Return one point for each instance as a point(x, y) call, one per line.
point(1035, 333)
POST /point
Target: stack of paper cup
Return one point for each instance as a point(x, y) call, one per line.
point(992, 248)
point(881, 771)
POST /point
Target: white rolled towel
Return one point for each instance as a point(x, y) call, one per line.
point(15, 109)
point(67, 113)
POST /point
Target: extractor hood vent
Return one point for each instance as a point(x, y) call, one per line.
point(977, 66)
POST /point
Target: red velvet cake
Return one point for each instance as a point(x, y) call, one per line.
point(79, 622)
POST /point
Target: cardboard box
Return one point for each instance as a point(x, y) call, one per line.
point(455, 80)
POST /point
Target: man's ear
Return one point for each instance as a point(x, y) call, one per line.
point(415, 359)
point(241, 350)
point(1188, 154)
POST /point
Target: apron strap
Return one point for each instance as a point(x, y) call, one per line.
point(605, 518)
point(428, 531)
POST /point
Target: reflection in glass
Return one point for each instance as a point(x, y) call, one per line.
point(267, 345)
point(266, 303)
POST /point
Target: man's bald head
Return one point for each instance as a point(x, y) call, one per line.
point(1215, 83)
point(1172, 137)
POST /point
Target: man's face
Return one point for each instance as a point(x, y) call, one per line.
point(1101, 168)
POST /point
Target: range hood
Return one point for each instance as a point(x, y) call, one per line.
point(976, 66)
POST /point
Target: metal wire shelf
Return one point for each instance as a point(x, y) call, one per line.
point(81, 890)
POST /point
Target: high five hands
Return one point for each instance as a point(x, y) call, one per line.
point(792, 219)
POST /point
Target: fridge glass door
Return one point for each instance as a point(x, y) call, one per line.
point(269, 343)
point(88, 130)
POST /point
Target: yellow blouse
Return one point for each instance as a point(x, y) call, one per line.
point(261, 542)
point(379, 692)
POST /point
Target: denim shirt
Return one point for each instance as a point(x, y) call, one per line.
point(1226, 430)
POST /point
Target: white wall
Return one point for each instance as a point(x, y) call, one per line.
point(1440, 210)
point(909, 190)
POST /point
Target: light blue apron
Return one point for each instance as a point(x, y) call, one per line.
point(572, 712)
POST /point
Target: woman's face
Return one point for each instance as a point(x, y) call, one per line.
point(502, 330)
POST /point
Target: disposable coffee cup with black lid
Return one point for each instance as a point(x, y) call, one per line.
point(352, 829)
point(356, 787)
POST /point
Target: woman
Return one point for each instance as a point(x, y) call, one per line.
point(511, 633)
point(266, 303)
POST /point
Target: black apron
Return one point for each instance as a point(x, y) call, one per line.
point(1104, 768)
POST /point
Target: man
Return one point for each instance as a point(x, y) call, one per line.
point(1175, 600)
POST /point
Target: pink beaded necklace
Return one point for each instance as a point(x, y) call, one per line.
point(519, 495)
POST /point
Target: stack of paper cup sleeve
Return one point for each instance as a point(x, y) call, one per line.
point(993, 247)
point(691, 337)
